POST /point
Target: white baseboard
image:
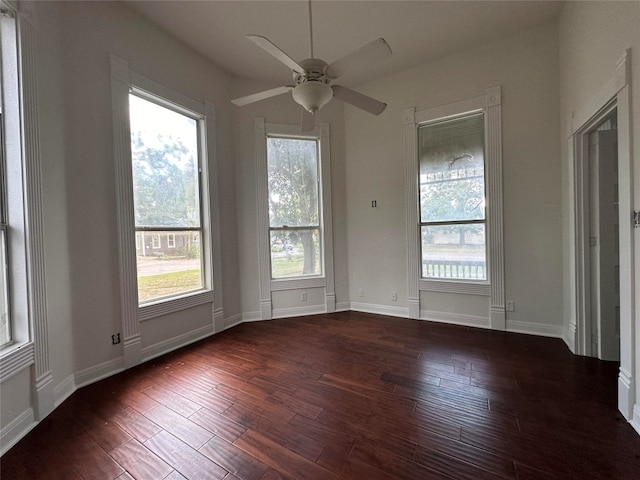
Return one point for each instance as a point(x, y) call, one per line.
point(64, 389)
point(625, 395)
point(171, 344)
point(380, 309)
point(569, 336)
point(252, 316)
point(298, 311)
point(343, 306)
point(635, 421)
point(232, 321)
point(540, 329)
point(15, 430)
point(456, 319)
point(98, 372)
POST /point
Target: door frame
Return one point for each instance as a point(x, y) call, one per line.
point(614, 95)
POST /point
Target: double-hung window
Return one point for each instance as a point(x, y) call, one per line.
point(166, 157)
point(455, 239)
point(295, 214)
point(295, 240)
point(452, 198)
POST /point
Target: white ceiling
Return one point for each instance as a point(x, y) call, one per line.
point(417, 31)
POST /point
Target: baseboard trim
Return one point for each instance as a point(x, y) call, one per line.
point(98, 372)
point(343, 307)
point(64, 390)
point(232, 321)
point(15, 430)
point(635, 421)
point(625, 395)
point(298, 311)
point(251, 316)
point(456, 319)
point(380, 309)
point(569, 336)
point(540, 329)
point(171, 344)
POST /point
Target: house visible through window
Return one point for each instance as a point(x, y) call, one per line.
point(165, 152)
point(452, 198)
point(294, 207)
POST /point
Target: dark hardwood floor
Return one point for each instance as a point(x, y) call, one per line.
point(340, 396)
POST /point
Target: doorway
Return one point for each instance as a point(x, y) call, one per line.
point(604, 234)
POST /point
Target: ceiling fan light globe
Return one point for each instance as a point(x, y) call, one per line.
point(312, 95)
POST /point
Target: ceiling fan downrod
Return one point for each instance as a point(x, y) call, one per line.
point(310, 32)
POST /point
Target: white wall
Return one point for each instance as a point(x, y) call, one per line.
point(526, 67)
point(593, 37)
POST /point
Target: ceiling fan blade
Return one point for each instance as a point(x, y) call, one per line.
point(272, 49)
point(256, 97)
point(308, 121)
point(359, 100)
point(372, 53)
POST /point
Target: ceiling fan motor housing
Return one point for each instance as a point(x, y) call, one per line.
point(312, 89)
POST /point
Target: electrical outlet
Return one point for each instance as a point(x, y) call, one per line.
point(115, 339)
point(303, 296)
point(394, 296)
point(511, 306)
point(361, 292)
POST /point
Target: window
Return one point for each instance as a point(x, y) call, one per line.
point(455, 240)
point(295, 240)
point(166, 156)
point(294, 207)
point(452, 198)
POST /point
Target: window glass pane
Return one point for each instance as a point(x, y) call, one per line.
point(164, 152)
point(165, 271)
point(295, 253)
point(452, 170)
point(5, 324)
point(293, 182)
point(454, 251)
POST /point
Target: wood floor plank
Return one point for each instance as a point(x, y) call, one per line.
point(281, 458)
point(140, 462)
point(187, 461)
point(233, 459)
point(189, 432)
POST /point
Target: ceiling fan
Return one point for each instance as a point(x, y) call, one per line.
point(312, 78)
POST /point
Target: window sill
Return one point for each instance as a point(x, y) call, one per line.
point(164, 307)
point(296, 283)
point(461, 286)
point(16, 358)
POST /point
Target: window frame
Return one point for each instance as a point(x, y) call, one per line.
point(436, 223)
point(268, 285)
point(173, 104)
point(171, 240)
point(490, 104)
point(287, 228)
point(122, 81)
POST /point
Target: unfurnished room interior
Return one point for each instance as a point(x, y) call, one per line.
point(319, 239)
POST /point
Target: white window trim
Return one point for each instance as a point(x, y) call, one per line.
point(122, 82)
point(491, 105)
point(267, 284)
point(155, 241)
point(171, 240)
point(30, 345)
